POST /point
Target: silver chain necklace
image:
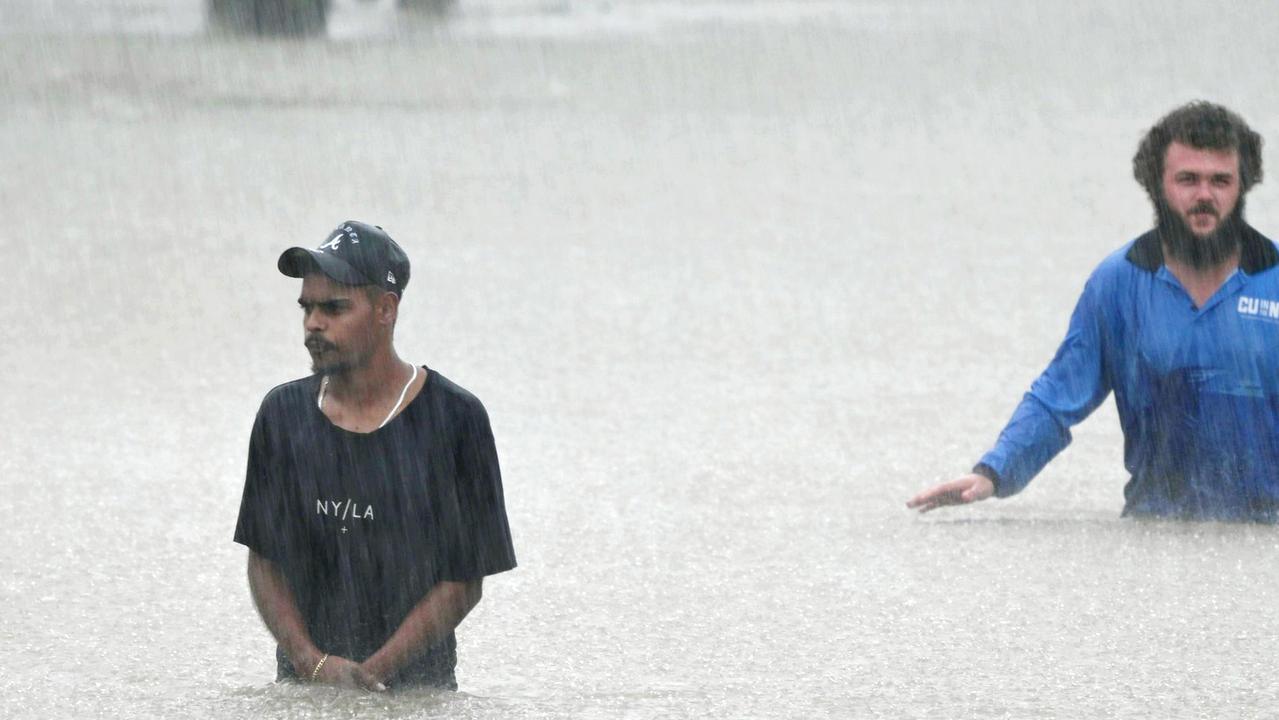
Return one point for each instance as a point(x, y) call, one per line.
point(324, 386)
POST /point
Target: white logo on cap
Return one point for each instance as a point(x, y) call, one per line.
point(332, 243)
point(390, 277)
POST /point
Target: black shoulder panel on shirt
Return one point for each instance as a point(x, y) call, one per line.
point(1146, 252)
point(1257, 253)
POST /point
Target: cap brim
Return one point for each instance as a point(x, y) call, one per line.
point(298, 261)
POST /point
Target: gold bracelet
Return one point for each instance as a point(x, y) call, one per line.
point(316, 671)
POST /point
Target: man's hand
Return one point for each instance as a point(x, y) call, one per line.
point(967, 489)
point(429, 622)
point(347, 673)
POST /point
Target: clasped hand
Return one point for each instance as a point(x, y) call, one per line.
point(348, 673)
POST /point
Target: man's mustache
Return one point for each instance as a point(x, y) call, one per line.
point(317, 343)
point(1204, 207)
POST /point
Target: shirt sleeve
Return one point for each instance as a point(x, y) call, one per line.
point(262, 505)
point(1072, 386)
point(482, 540)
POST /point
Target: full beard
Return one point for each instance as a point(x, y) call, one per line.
point(1204, 252)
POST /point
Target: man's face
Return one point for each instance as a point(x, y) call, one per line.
point(339, 323)
point(1201, 186)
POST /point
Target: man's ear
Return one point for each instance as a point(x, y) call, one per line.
point(388, 308)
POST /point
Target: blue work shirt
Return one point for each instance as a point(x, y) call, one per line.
point(1197, 388)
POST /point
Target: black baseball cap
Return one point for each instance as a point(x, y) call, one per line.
point(355, 253)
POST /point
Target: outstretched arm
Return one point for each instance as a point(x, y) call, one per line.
point(967, 489)
point(433, 618)
point(1071, 387)
point(279, 610)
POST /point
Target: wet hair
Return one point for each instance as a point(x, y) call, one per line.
point(1204, 126)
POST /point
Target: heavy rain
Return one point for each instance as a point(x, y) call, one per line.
point(733, 279)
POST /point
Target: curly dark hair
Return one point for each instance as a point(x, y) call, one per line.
point(1202, 125)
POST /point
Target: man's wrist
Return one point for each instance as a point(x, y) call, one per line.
point(305, 661)
point(377, 668)
point(989, 473)
point(315, 671)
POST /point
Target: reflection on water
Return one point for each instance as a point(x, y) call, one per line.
point(733, 279)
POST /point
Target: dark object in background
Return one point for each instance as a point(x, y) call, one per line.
point(430, 6)
point(292, 17)
point(269, 17)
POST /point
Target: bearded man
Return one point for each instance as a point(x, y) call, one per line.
point(1182, 324)
point(373, 505)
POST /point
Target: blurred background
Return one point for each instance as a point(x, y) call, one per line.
point(734, 279)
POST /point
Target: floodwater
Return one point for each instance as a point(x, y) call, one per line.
point(733, 279)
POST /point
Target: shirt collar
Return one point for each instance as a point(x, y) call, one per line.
point(1257, 253)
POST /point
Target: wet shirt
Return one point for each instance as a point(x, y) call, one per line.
point(1197, 388)
point(363, 525)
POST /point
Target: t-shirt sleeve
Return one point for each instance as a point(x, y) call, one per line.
point(482, 541)
point(262, 504)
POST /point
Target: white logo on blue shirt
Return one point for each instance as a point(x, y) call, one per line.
point(1259, 308)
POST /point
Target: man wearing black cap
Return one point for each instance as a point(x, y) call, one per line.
point(372, 504)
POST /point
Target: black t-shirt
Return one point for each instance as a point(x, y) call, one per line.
point(363, 525)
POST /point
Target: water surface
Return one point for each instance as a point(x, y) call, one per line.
point(733, 279)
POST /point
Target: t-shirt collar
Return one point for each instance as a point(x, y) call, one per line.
point(1257, 253)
